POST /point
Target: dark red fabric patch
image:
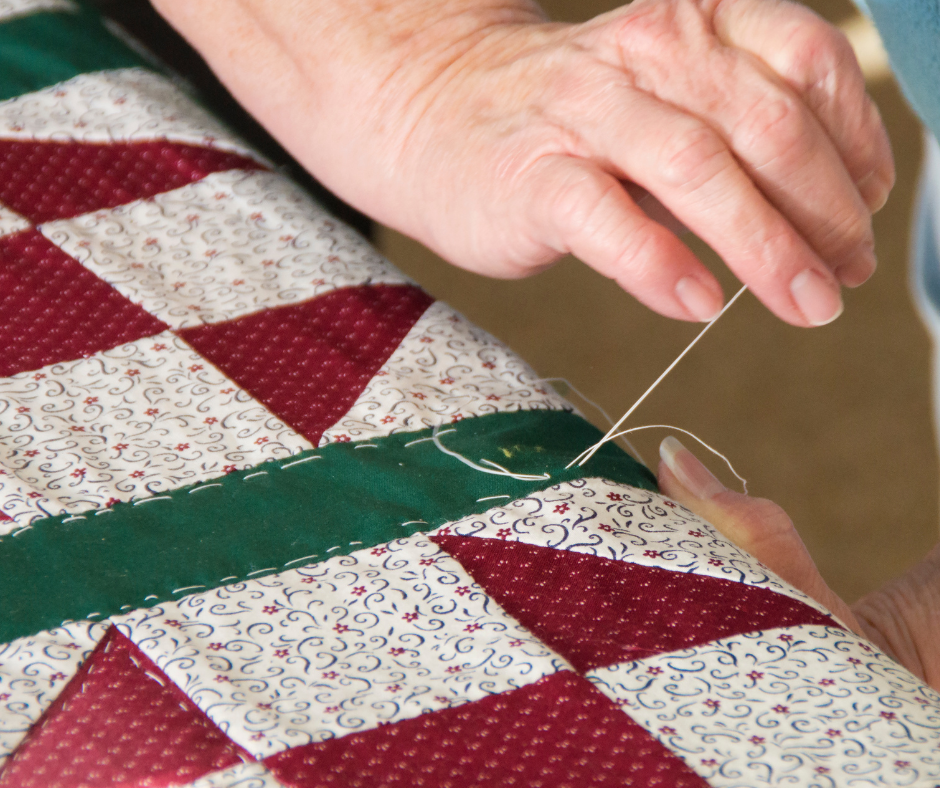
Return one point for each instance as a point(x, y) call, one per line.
point(309, 362)
point(559, 731)
point(119, 722)
point(54, 309)
point(55, 180)
point(597, 611)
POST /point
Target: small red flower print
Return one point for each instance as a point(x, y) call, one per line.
point(151, 411)
point(561, 508)
point(388, 419)
point(709, 762)
point(287, 238)
point(270, 609)
point(230, 469)
point(194, 307)
point(78, 429)
point(267, 263)
point(4, 696)
point(394, 688)
point(715, 562)
point(72, 646)
point(216, 646)
point(159, 347)
point(447, 381)
point(264, 706)
point(454, 669)
point(137, 474)
point(827, 682)
point(24, 409)
point(515, 642)
point(786, 638)
point(462, 590)
point(343, 439)
point(698, 534)
point(172, 622)
point(31, 453)
point(855, 660)
point(782, 709)
point(111, 502)
point(179, 285)
point(79, 473)
point(210, 420)
point(330, 675)
point(90, 400)
point(308, 580)
point(756, 740)
point(712, 703)
point(396, 651)
point(38, 376)
point(822, 770)
point(212, 253)
point(150, 242)
point(281, 652)
point(504, 533)
point(257, 216)
point(888, 715)
point(228, 391)
point(195, 367)
point(341, 628)
point(34, 495)
point(615, 496)
point(654, 671)
point(865, 647)
point(182, 446)
point(410, 616)
point(667, 731)
point(418, 395)
point(670, 504)
point(472, 627)
point(755, 675)
point(426, 340)
point(357, 591)
point(456, 417)
point(133, 373)
point(379, 550)
point(120, 446)
point(261, 441)
point(492, 398)
point(489, 365)
point(902, 764)
point(651, 553)
point(832, 732)
point(605, 527)
point(323, 282)
point(221, 678)
point(257, 736)
point(428, 561)
point(445, 531)
point(922, 701)
point(193, 217)
point(57, 677)
point(238, 282)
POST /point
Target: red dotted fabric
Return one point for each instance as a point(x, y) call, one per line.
point(597, 612)
point(55, 310)
point(55, 180)
point(119, 722)
point(309, 362)
point(557, 733)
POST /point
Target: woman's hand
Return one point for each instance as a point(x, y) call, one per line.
point(902, 618)
point(503, 141)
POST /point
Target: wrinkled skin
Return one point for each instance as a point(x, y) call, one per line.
point(503, 141)
point(901, 617)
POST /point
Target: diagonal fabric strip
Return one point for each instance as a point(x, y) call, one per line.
point(46, 180)
point(549, 734)
point(636, 611)
point(43, 49)
point(309, 507)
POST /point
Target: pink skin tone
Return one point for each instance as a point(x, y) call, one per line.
point(901, 617)
point(503, 141)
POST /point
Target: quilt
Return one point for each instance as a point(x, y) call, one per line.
point(272, 517)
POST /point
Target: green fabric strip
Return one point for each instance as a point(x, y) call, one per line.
point(43, 49)
point(313, 506)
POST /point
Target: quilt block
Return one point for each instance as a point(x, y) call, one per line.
point(272, 517)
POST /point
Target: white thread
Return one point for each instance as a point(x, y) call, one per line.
point(72, 519)
point(297, 462)
point(491, 498)
point(331, 549)
point(150, 675)
point(260, 571)
point(739, 477)
point(186, 588)
point(422, 440)
point(157, 498)
point(22, 530)
point(415, 522)
point(152, 596)
point(352, 543)
point(203, 487)
point(104, 511)
point(500, 470)
point(584, 456)
point(252, 475)
point(226, 579)
point(367, 446)
point(91, 615)
point(131, 656)
point(298, 560)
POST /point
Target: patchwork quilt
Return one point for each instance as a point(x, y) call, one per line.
point(272, 517)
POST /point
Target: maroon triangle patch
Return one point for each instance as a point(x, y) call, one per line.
point(119, 722)
point(597, 611)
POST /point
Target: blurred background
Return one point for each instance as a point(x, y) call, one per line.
point(833, 423)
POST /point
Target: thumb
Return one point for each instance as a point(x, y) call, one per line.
point(756, 525)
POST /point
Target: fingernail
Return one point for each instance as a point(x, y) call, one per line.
point(874, 189)
point(697, 299)
point(818, 300)
point(692, 475)
point(855, 274)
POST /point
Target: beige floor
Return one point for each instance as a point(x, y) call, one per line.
point(833, 423)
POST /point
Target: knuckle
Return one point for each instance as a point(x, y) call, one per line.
point(692, 156)
point(775, 123)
